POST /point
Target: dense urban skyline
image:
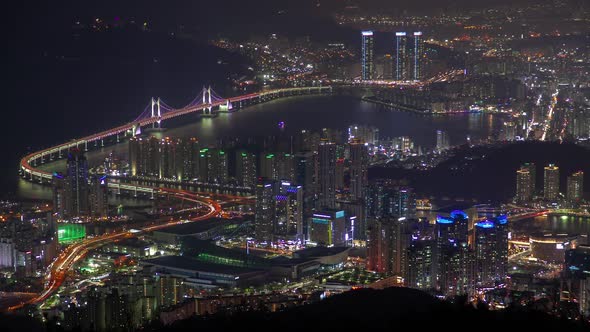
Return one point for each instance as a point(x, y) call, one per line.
point(284, 160)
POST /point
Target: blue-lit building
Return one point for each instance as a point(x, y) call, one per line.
point(367, 64)
point(491, 251)
point(289, 211)
point(452, 257)
point(577, 276)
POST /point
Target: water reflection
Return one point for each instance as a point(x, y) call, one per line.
point(304, 112)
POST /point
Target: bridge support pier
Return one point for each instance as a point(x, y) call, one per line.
point(135, 192)
point(117, 138)
point(59, 154)
point(101, 142)
point(86, 146)
point(42, 159)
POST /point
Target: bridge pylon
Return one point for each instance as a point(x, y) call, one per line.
point(156, 112)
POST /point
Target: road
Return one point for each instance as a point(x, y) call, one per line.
point(58, 271)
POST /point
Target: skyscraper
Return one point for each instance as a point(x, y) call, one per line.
point(401, 57)
point(328, 228)
point(387, 245)
point(524, 192)
point(187, 159)
point(417, 56)
point(305, 169)
point(99, 196)
point(452, 259)
point(76, 188)
point(359, 163)
point(386, 199)
point(213, 165)
point(367, 69)
point(134, 155)
point(167, 163)
point(327, 176)
point(419, 272)
point(575, 188)
point(551, 182)
point(266, 190)
point(289, 211)
point(532, 168)
point(246, 169)
point(491, 251)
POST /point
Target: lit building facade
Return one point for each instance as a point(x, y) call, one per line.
point(418, 56)
point(575, 188)
point(491, 251)
point(367, 63)
point(401, 57)
point(328, 228)
point(246, 169)
point(551, 183)
point(266, 191)
point(524, 192)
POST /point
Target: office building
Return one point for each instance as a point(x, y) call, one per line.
point(575, 188)
point(289, 211)
point(328, 228)
point(367, 64)
point(551, 183)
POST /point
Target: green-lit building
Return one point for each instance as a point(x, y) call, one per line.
point(67, 233)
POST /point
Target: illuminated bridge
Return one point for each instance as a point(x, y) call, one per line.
point(207, 103)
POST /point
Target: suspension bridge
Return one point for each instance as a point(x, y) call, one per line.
point(207, 103)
